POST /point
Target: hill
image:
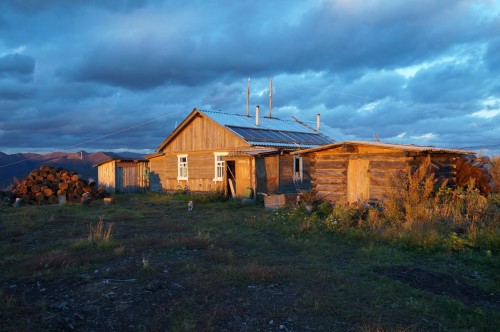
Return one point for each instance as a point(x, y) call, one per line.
point(20, 164)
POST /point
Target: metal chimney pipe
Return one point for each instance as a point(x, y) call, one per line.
point(318, 118)
point(248, 98)
point(257, 109)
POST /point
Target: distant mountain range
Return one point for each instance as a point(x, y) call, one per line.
point(20, 164)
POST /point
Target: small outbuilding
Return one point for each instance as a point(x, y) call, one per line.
point(123, 175)
point(356, 171)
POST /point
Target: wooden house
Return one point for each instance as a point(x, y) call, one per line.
point(238, 154)
point(123, 175)
point(357, 171)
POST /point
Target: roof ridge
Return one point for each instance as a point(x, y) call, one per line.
point(247, 116)
point(317, 131)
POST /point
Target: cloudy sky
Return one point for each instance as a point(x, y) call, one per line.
point(112, 75)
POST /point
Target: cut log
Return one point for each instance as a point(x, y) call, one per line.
point(48, 185)
point(39, 196)
point(47, 192)
point(53, 199)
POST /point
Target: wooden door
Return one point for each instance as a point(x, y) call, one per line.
point(126, 179)
point(266, 169)
point(243, 177)
point(358, 180)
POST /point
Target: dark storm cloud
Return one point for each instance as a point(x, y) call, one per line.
point(15, 91)
point(411, 71)
point(35, 6)
point(446, 83)
point(17, 66)
point(326, 37)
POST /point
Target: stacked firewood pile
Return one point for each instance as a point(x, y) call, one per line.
point(48, 185)
point(478, 169)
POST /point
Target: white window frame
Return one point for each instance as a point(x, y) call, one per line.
point(219, 166)
point(182, 167)
point(298, 174)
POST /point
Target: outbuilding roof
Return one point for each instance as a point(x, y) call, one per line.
point(135, 160)
point(401, 147)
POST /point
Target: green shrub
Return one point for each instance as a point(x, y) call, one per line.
point(418, 212)
point(344, 216)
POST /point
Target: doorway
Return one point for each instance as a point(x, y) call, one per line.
point(231, 177)
point(358, 180)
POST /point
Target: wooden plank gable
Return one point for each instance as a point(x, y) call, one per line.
point(203, 134)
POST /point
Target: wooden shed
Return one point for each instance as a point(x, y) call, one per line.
point(356, 171)
point(123, 175)
point(238, 154)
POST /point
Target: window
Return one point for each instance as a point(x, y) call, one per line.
point(182, 166)
point(298, 168)
point(219, 165)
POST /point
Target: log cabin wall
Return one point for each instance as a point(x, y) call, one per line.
point(352, 173)
point(329, 175)
point(444, 166)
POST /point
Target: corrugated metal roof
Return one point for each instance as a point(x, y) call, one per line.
point(240, 120)
point(274, 131)
point(283, 145)
point(405, 147)
point(257, 151)
point(117, 159)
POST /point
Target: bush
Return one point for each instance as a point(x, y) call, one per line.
point(421, 213)
point(344, 216)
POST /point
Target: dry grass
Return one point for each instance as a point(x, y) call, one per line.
point(420, 212)
point(101, 232)
point(495, 172)
point(233, 267)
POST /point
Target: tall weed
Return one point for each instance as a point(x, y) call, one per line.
point(100, 234)
point(418, 211)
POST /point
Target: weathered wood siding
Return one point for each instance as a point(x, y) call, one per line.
point(123, 176)
point(204, 134)
point(157, 170)
point(201, 172)
point(106, 176)
point(287, 183)
point(131, 176)
point(198, 140)
point(267, 172)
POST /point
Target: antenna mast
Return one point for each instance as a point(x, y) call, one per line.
point(248, 98)
point(271, 97)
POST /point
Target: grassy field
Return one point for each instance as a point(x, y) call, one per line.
point(146, 263)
